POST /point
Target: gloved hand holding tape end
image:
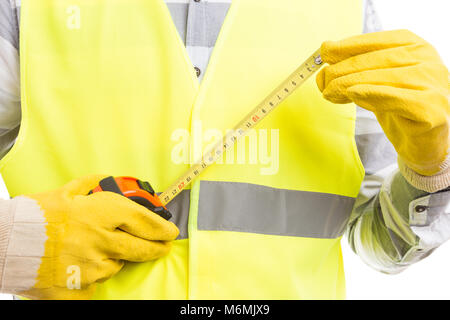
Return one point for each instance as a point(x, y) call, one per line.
point(402, 79)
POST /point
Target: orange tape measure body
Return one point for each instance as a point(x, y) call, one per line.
point(136, 190)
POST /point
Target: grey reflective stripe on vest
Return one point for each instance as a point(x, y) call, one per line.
point(179, 208)
point(242, 207)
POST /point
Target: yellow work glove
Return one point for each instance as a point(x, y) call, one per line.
point(93, 235)
point(401, 78)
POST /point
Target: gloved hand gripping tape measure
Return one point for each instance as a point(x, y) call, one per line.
point(136, 190)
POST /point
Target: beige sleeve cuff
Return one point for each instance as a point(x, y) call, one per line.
point(6, 225)
point(434, 183)
point(22, 243)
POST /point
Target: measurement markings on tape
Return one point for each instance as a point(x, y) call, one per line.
point(294, 81)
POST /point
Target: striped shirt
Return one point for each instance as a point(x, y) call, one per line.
point(384, 228)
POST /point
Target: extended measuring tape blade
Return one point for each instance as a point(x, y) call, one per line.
point(294, 81)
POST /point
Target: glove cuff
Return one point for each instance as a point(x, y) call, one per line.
point(6, 225)
point(22, 243)
point(434, 183)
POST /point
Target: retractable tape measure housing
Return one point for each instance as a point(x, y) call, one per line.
point(139, 191)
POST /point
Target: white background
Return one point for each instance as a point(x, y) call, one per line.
point(428, 279)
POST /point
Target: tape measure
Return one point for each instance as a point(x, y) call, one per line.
point(136, 190)
point(294, 81)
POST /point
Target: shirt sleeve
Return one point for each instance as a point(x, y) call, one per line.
point(10, 111)
point(393, 224)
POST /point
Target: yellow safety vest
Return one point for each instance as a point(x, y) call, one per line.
point(106, 86)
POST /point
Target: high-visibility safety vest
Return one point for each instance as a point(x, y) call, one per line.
point(106, 86)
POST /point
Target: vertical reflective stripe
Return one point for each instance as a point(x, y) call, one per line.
point(243, 207)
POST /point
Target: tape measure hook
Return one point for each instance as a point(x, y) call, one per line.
point(318, 60)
